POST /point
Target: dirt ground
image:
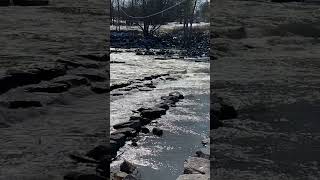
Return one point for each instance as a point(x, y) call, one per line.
point(266, 63)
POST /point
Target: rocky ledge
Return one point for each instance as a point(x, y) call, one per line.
point(198, 166)
point(102, 155)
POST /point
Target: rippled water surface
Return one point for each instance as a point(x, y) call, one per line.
point(184, 126)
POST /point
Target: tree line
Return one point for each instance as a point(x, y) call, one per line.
point(149, 15)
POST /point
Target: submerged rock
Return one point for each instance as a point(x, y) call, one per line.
point(136, 124)
point(128, 132)
point(127, 167)
point(157, 131)
point(119, 139)
point(153, 113)
point(145, 130)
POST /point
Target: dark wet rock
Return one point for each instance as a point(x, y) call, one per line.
point(148, 78)
point(171, 78)
point(195, 165)
point(127, 167)
point(129, 132)
point(203, 153)
point(30, 2)
point(116, 94)
point(136, 124)
point(82, 176)
point(149, 53)
point(139, 53)
point(133, 143)
point(193, 177)
point(157, 131)
point(224, 111)
point(145, 130)
point(176, 94)
point(143, 108)
point(48, 87)
point(130, 177)
point(119, 138)
point(71, 80)
point(79, 63)
point(135, 117)
point(169, 102)
point(145, 121)
point(162, 105)
point(23, 104)
point(99, 152)
point(153, 113)
point(115, 146)
point(119, 85)
point(150, 85)
point(171, 98)
point(99, 87)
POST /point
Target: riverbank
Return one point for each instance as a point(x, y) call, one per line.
point(268, 68)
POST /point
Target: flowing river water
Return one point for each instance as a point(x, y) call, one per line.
point(184, 125)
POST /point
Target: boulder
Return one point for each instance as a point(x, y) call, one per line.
point(157, 131)
point(193, 177)
point(128, 132)
point(127, 167)
point(136, 124)
point(162, 105)
point(153, 113)
point(145, 130)
point(196, 165)
point(119, 85)
point(119, 139)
